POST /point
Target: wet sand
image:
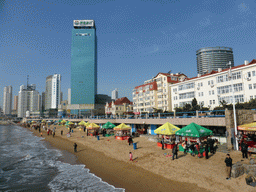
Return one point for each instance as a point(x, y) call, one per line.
point(151, 170)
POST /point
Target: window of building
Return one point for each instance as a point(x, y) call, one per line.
point(209, 82)
point(210, 92)
point(249, 74)
point(213, 102)
point(187, 95)
point(116, 108)
point(175, 90)
point(251, 97)
point(250, 86)
point(253, 73)
point(254, 86)
point(210, 102)
point(186, 86)
point(198, 94)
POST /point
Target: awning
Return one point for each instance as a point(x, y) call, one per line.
point(247, 127)
point(167, 129)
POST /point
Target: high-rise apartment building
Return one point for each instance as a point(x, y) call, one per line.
point(27, 100)
point(84, 62)
point(52, 91)
point(213, 58)
point(114, 94)
point(15, 103)
point(69, 96)
point(7, 101)
point(43, 101)
point(39, 102)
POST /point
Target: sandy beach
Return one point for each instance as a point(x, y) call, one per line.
point(151, 170)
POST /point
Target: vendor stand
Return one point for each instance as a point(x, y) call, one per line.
point(167, 132)
point(247, 134)
point(63, 122)
point(109, 129)
point(122, 132)
point(93, 129)
point(71, 125)
point(81, 125)
point(59, 122)
point(194, 133)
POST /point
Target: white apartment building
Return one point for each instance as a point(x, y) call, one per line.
point(27, 100)
point(7, 100)
point(155, 93)
point(69, 96)
point(216, 86)
point(53, 91)
point(114, 94)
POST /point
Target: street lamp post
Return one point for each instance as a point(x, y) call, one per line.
point(234, 107)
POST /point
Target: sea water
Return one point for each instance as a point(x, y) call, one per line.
point(28, 163)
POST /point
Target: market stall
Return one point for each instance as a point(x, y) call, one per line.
point(167, 132)
point(109, 129)
point(93, 129)
point(63, 122)
point(81, 125)
point(247, 133)
point(59, 122)
point(122, 132)
point(193, 133)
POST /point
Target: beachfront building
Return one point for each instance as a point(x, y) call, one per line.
point(43, 101)
point(114, 94)
point(7, 100)
point(211, 58)
point(119, 107)
point(155, 93)
point(53, 91)
point(69, 96)
point(212, 88)
point(83, 62)
point(27, 100)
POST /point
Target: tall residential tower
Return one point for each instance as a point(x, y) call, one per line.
point(84, 62)
point(7, 104)
point(52, 91)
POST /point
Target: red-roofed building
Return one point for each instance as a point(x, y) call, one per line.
point(119, 106)
point(155, 93)
point(211, 88)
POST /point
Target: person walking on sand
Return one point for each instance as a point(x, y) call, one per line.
point(131, 156)
point(228, 162)
point(175, 151)
point(75, 147)
point(130, 140)
point(53, 132)
point(41, 134)
point(61, 132)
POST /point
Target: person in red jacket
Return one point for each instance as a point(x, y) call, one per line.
point(198, 149)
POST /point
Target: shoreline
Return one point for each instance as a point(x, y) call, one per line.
point(152, 170)
point(118, 173)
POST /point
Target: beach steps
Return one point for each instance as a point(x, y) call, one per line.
point(223, 148)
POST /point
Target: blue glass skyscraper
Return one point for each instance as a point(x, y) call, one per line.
point(83, 62)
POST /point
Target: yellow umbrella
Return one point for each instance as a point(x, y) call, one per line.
point(81, 123)
point(93, 126)
point(167, 129)
point(87, 124)
point(71, 123)
point(122, 127)
point(247, 127)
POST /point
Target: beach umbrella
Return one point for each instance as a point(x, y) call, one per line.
point(87, 124)
point(167, 129)
point(122, 127)
point(59, 121)
point(81, 123)
point(70, 123)
point(108, 125)
point(247, 127)
point(93, 126)
point(194, 130)
point(43, 121)
point(63, 121)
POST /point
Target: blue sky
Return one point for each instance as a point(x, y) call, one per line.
point(136, 38)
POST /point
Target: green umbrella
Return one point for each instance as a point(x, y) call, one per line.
point(59, 121)
point(108, 125)
point(194, 130)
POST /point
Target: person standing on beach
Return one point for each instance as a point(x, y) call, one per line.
point(75, 147)
point(162, 143)
point(244, 149)
point(130, 140)
point(131, 156)
point(175, 151)
point(61, 132)
point(228, 162)
point(53, 132)
point(206, 151)
point(198, 149)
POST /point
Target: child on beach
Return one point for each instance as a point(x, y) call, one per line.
point(131, 156)
point(41, 134)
